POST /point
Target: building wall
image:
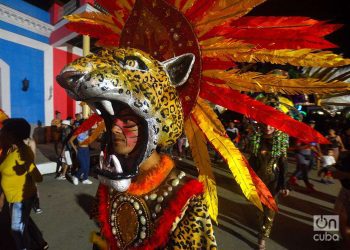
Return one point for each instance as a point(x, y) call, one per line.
point(25, 62)
point(62, 102)
point(28, 9)
point(25, 52)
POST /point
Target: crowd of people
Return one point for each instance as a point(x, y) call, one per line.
point(19, 173)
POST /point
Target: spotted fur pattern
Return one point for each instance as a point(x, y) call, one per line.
point(194, 230)
point(133, 77)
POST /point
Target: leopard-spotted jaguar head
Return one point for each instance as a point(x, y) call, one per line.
point(117, 78)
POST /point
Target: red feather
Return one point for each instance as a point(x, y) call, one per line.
point(198, 9)
point(87, 124)
point(216, 63)
point(263, 192)
point(235, 101)
point(277, 32)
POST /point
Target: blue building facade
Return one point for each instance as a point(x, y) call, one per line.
point(24, 51)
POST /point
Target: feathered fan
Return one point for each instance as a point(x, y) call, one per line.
point(217, 32)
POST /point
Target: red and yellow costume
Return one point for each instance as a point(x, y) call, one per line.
point(165, 60)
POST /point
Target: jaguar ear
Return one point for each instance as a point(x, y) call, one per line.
point(179, 68)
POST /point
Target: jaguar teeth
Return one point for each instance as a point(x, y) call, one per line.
point(108, 106)
point(117, 165)
point(102, 157)
point(97, 111)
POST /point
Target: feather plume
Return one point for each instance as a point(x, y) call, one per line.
point(224, 11)
point(301, 57)
point(235, 101)
point(186, 4)
point(97, 31)
point(225, 147)
point(217, 43)
point(200, 154)
point(198, 9)
point(271, 83)
point(265, 197)
point(96, 18)
point(277, 32)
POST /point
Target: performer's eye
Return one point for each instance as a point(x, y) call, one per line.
point(134, 63)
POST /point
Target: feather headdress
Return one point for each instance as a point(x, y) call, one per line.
point(218, 34)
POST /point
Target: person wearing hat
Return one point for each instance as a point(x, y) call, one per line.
point(65, 155)
point(19, 175)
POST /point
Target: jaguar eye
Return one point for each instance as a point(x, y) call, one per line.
point(134, 63)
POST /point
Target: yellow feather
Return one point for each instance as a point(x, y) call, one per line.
point(198, 145)
point(271, 83)
point(125, 4)
point(301, 57)
point(224, 11)
point(225, 44)
point(228, 151)
point(95, 18)
point(188, 5)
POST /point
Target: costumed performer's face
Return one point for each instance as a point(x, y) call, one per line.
point(269, 130)
point(125, 132)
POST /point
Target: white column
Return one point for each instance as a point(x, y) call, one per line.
point(5, 92)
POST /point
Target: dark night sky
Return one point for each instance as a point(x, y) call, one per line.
point(336, 11)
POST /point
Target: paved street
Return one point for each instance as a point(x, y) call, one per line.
point(66, 225)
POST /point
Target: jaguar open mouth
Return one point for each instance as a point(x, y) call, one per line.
point(125, 140)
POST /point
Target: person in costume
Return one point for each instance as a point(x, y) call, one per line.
point(269, 160)
point(162, 62)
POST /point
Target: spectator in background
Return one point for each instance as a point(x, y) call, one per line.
point(303, 155)
point(65, 155)
point(232, 132)
point(327, 161)
point(83, 156)
point(78, 120)
point(56, 130)
point(336, 142)
point(316, 152)
point(19, 175)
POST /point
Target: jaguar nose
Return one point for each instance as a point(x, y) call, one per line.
point(69, 79)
